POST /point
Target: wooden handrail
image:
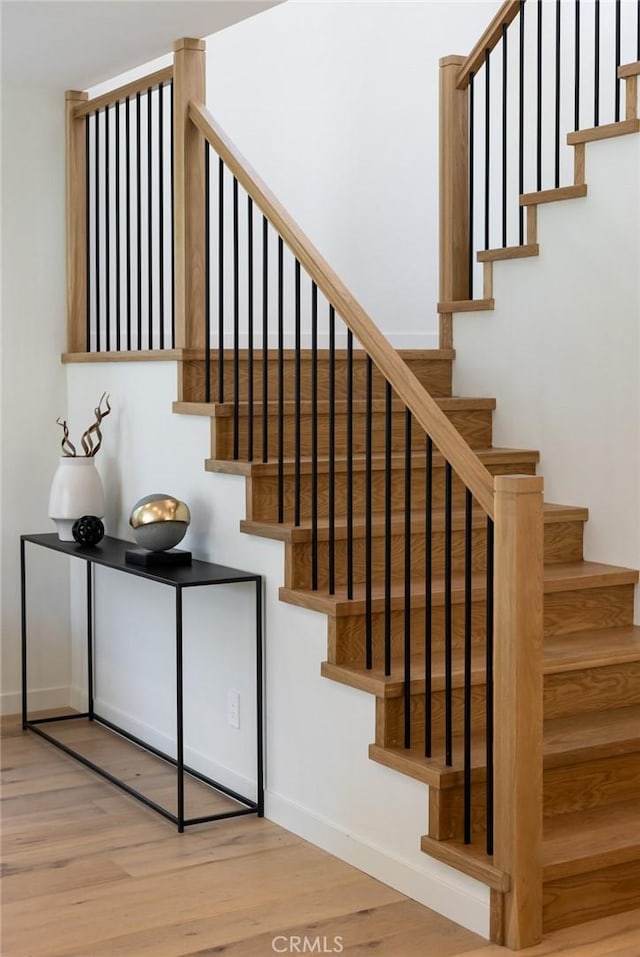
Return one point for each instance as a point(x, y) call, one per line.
point(425, 410)
point(141, 85)
point(489, 39)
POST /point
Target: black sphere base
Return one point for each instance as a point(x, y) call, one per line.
point(142, 556)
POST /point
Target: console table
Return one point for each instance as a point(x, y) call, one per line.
point(110, 552)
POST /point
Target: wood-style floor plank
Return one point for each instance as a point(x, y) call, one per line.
point(89, 872)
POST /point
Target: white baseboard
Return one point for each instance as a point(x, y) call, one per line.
point(39, 699)
point(458, 903)
point(163, 742)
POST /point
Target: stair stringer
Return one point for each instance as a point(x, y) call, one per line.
point(320, 782)
point(567, 323)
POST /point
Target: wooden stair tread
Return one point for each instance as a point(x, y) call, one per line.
point(508, 252)
point(604, 132)
point(589, 840)
point(565, 576)
point(572, 844)
point(288, 532)
point(567, 741)
point(446, 403)
point(563, 653)
point(466, 305)
point(553, 195)
point(258, 469)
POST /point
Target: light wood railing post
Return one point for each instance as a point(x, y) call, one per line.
point(76, 200)
point(518, 718)
point(189, 194)
point(454, 192)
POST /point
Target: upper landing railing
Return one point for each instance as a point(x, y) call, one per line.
point(542, 71)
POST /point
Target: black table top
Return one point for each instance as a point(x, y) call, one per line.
point(111, 553)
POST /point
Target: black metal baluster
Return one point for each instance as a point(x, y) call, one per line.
point(139, 215)
point(407, 578)
point(127, 193)
point(448, 623)
point(171, 247)
point(280, 379)
point(97, 228)
point(117, 225)
point(504, 135)
point(489, 685)
point(220, 282)
point(297, 398)
point(521, 124)
point(617, 80)
point(349, 464)
point(107, 230)
point(87, 250)
point(557, 89)
point(576, 68)
point(471, 181)
point(250, 328)
point(332, 450)
point(314, 436)
point(468, 584)
point(487, 146)
point(161, 214)
point(236, 325)
point(539, 103)
point(596, 65)
point(387, 527)
point(428, 598)
point(150, 218)
point(368, 508)
point(265, 339)
point(207, 272)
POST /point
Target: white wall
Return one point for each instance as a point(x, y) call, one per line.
point(33, 385)
point(561, 352)
point(335, 104)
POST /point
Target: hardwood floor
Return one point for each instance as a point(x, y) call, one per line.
point(89, 872)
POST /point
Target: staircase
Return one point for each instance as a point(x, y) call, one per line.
point(591, 843)
point(386, 491)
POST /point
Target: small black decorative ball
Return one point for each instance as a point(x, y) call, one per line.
point(88, 530)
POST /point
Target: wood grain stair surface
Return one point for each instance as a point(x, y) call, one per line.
point(494, 456)
point(569, 576)
point(604, 132)
point(553, 195)
point(466, 305)
point(572, 844)
point(562, 654)
point(288, 532)
point(508, 252)
point(567, 741)
point(226, 409)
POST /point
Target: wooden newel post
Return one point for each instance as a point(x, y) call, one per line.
point(518, 663)
point(189, 194)
point(454, 189)
point(76, 225)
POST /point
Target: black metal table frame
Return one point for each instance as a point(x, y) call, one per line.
point(91, 557)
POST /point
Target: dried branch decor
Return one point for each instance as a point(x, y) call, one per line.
point(92, 438)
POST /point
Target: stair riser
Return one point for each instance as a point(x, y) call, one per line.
point(565, 694)
point(583, 897)
point(262, 492)
point(474, 425)
point(564, 612)
point(578, 787)
point(563, 543)
point(434, 374)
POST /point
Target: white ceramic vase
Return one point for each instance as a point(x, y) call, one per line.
point(76, 490)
